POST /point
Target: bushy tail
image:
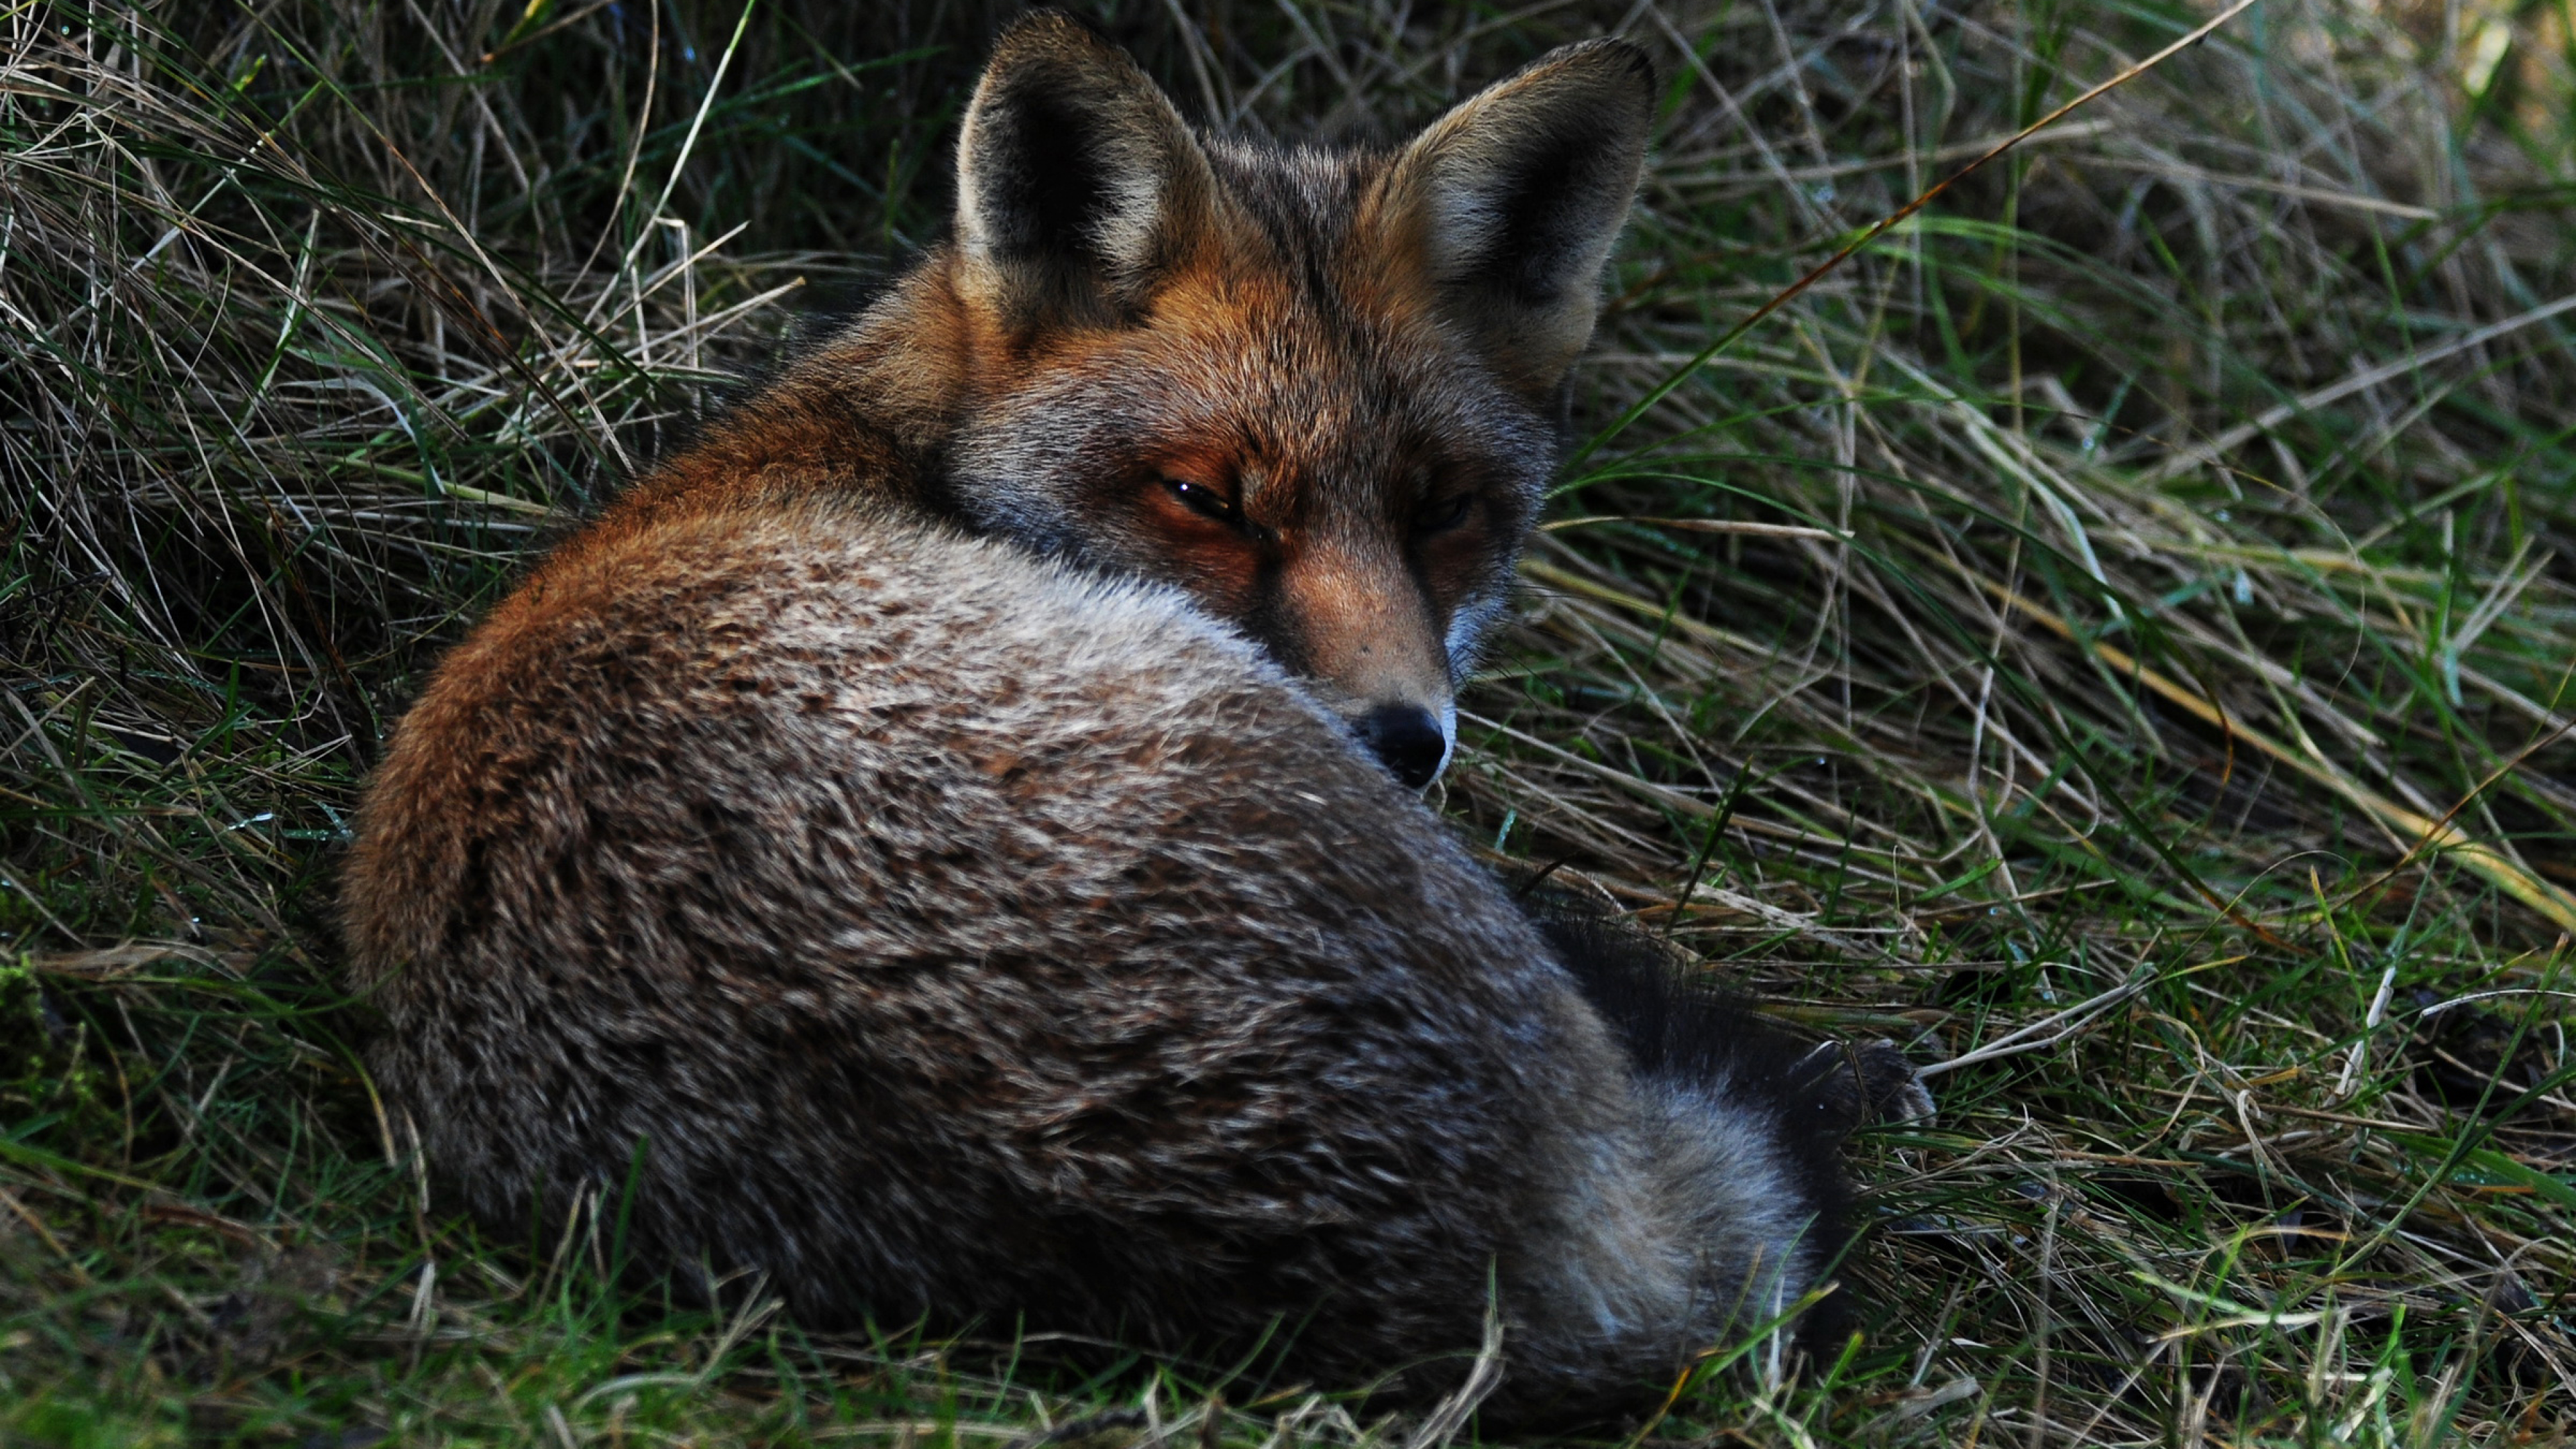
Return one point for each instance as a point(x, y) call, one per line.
point(1750, 1102)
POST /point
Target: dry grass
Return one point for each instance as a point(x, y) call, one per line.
point(2115, 635)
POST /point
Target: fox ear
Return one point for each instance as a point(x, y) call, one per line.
point(1510, 203)
point(1077, 182)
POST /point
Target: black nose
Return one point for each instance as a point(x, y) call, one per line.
point(1407, 740)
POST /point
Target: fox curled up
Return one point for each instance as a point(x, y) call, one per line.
point(940, 844)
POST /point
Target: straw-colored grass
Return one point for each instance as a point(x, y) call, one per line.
point(2116, 636)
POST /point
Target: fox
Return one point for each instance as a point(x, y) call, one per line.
point(945, 846)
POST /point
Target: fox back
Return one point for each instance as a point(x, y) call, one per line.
point(939, 847)
point(907, 927)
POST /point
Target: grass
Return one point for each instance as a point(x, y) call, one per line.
point(2115, 636)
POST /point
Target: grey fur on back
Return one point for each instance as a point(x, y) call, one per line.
point(962, 936)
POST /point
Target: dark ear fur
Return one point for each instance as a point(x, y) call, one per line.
point(1510, 203)
point(1077, 182)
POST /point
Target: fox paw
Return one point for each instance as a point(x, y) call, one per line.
point(1863, 1082)
point(1896, 1091)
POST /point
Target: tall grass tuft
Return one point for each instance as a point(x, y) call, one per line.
point(2115, 636)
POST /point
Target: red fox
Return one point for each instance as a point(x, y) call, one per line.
point(940, 843)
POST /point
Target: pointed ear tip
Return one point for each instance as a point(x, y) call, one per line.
point(1611, 60)
point(1043, 19)
point(1047, 31)
point(1609, 70)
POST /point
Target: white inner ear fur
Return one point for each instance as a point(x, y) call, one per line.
point(1458, 189)
point(1147, 168)
point(1132, 173)
point(1129, 226)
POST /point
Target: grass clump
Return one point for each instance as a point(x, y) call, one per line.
point(2114, 636)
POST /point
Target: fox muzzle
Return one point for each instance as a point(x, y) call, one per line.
point(1406, 738)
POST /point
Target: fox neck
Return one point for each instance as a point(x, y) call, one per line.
point(865, 420)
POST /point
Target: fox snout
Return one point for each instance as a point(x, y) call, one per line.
point(1407, 739)
point(1358, 623)
point(1407, 718)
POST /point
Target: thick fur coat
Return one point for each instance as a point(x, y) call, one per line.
point(1025, 927)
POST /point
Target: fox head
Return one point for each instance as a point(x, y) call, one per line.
point(1314, 389)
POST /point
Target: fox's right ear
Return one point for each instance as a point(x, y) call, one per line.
point(1078, 184)
point(1510, 202)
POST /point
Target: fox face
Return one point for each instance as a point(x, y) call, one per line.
point(1315, 390)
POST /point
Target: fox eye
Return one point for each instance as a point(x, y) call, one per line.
point(1442, 514)
point(1202, 499)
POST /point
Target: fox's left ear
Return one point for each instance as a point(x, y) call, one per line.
point(1510, 203)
